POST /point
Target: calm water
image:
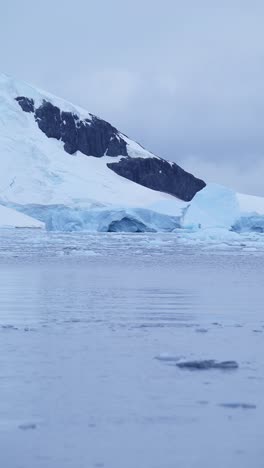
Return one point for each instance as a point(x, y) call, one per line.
point(83, 319)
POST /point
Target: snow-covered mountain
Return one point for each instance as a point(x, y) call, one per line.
point(68, 168)
point(57, 156)
point(55, 152)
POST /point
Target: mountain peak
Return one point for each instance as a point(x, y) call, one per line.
point(49, 149)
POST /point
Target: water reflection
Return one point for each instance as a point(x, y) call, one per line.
point(78, 341)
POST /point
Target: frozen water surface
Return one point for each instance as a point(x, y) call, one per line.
point(92, 329)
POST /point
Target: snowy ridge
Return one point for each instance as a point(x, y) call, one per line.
point(36, 169)
point(10, 89)
point(250, 204)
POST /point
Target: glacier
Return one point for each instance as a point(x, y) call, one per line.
point(250, 223)
point(216, 212)
point(63, 218)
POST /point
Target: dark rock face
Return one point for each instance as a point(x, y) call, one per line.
point(26, 104)
point(48, 118)
point(160, 175)
point(93, 137)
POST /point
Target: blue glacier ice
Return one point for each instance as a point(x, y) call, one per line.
point(63, 218)
point(216, 211)
point(250, 223)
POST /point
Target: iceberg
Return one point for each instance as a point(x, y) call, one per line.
point(215, 206)
point(217, 211)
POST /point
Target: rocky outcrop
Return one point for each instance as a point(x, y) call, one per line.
point(25, 103)
point(158, 174)
point(93, 136)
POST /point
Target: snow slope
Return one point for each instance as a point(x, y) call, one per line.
point(250, 204)
point(36, 169)
point(12, 219)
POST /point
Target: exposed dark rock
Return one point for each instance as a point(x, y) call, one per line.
point(25, 103)
point(48, 118)
point(158, 174)
point(93, 137)
point(207, 364)
point(116, 146)
point(68, 132)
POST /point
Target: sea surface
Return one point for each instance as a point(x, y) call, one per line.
point(93, 328)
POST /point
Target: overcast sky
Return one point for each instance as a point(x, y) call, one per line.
point(184, 78)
